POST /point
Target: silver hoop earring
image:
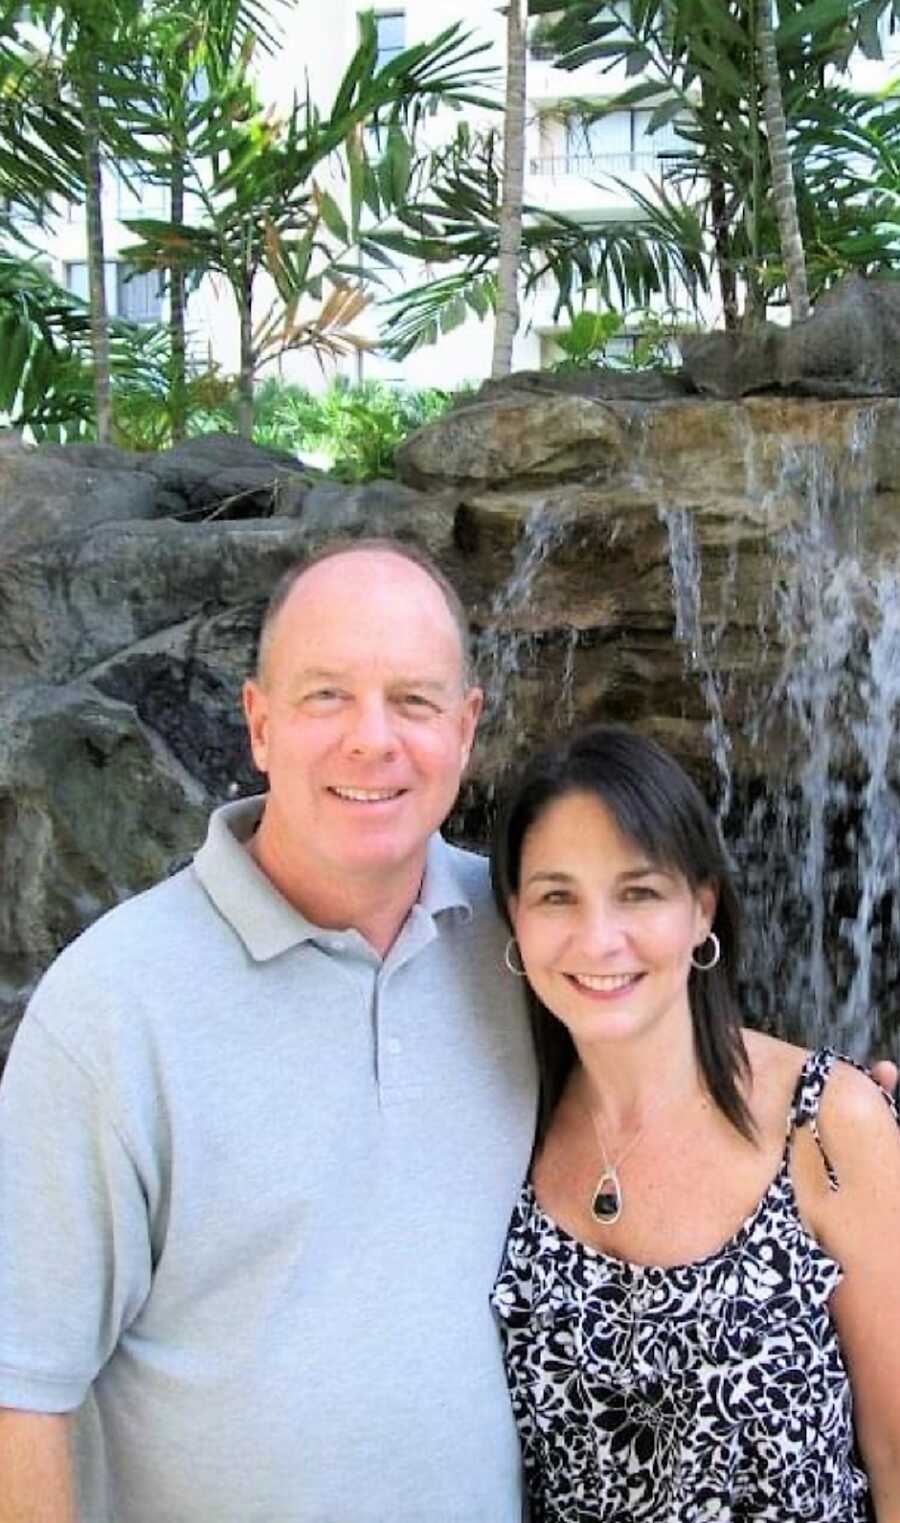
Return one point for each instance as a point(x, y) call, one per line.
point(704, 967)
point(507, 958)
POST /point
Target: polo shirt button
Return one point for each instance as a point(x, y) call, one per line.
point(394, 1046)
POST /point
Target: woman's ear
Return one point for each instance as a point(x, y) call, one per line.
point(707, 904)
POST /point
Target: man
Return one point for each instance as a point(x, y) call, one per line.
point(262, 1127)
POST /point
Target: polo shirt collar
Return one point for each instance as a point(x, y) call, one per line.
point(263, 919)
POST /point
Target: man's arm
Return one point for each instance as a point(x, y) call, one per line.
point(36, 1484)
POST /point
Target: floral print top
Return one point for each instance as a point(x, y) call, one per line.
point(711, 1391)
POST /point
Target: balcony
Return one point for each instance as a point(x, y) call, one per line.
point(586, 165)
point(575, 184)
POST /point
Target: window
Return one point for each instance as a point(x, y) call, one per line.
point(76, 274)
point(620, 141)
point(139, 295)
point(23, 213)
point(390, 32)
point(137, 197)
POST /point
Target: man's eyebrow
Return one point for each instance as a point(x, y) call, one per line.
point(424, 684)
point(326, 674)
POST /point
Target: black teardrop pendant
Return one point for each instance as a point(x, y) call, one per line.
point(606, 1206)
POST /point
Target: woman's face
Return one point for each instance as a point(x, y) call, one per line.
point(605, 934)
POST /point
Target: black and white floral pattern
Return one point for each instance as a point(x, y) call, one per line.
point(711, 1391)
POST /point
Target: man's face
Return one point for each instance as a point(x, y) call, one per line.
point(360, 717)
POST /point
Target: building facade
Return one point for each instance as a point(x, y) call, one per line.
point(585, 172)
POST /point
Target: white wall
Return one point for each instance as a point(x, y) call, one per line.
point(317, 40)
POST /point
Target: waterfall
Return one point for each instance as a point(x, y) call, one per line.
point(700, 647)
point(816, 850)
point(502, 650)
point(793, 665)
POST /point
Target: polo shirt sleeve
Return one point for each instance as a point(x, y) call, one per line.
point(75, 1258)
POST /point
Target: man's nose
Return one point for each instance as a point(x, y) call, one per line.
point(371, 728)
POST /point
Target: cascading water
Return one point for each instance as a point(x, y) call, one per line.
point(816, 848)
point(502, 650)
point(803, 738)
point(700, 647)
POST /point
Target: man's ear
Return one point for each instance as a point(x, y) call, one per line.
point(256, 713)
point(473, 703)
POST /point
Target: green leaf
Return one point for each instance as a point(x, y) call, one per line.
point(332, 216)
point(810, 19)
point(399, 154)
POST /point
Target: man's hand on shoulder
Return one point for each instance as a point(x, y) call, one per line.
point(886, 1074)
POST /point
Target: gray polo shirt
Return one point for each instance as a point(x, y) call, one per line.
point(254, 1184)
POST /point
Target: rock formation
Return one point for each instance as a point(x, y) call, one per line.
point(662, 559)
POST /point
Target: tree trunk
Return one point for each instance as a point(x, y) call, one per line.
point(93, 191)
point(722, 247)
point(245, 379)
point(783, 188)
point(178, 393)
point(507, 318)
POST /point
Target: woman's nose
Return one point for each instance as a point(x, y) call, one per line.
point(602, 931)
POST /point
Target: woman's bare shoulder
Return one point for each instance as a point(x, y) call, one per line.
point(850, 1098)
point(775, 1067)
point(855, 1107)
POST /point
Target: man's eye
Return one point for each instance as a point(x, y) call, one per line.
point(416, 701)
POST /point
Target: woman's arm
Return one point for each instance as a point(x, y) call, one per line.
point(859, 1226)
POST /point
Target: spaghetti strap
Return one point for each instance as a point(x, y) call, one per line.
point(813, 1077)
point(804, 1111)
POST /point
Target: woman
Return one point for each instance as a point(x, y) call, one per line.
point(705, 1261)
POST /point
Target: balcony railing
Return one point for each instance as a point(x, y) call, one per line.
point(640, 161)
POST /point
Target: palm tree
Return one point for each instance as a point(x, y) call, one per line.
point(92, 55)
point(192, 53)
point(781, 165)
point(734, 82)
point(510, 229)
point(267, 206)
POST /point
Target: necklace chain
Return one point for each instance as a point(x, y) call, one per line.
point(616, 1163)
point(607, 1200)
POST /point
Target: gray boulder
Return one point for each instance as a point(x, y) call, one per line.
point(93, 808)
point(732, 365)
point(232, 476)
point(44, 494)
point(601, 384)
point(381, 507)
point(849, 347)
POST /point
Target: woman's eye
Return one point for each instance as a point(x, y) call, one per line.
point(639, 893)
point(556, 896)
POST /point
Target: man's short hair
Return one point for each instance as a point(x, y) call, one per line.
point(384, 545)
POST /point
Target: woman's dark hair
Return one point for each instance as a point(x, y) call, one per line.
point(655, 804)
